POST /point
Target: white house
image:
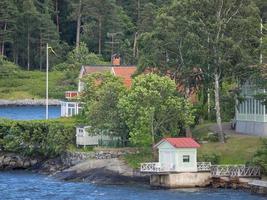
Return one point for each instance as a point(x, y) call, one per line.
point(251, 114)
point(175, 155)
point(72, 105)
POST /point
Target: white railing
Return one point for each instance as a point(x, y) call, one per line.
point(235, 171)
point(215, 170)
point(203, 166)
point(150, 167)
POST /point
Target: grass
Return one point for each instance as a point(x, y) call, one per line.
point(239, 149)
point(20, 84)
point(74, 148)
point(134, 160)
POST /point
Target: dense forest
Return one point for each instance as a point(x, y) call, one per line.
point(105, 26)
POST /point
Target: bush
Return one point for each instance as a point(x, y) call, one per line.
point(260, 157)
point(212, 137)
point(213, 158)
point(36, 138)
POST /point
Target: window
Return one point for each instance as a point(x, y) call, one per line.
point(186, 158)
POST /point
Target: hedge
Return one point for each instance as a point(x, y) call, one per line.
point(36, 138)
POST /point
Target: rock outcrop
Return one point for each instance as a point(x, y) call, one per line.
point(104, 171)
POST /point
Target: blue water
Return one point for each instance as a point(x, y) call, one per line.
point(30, 186)
point(28, 112)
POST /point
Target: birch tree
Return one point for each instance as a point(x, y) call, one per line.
point(220, 37)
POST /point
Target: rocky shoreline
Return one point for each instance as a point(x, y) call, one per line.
point(93, 167)
point(77, 167)
point(29, 102)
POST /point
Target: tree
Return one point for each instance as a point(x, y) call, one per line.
point(219, 37)
point(8, 14)
point(101, 96)
point(153, 109)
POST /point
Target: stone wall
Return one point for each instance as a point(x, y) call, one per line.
point(14, 161)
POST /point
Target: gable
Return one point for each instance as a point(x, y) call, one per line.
point(165, 145)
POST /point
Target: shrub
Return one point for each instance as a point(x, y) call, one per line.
point(260, 157)
point(35, 138)
point(213, 158)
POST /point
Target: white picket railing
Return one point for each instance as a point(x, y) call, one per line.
point(157, 167)
point(150, 167)
point(235, 171)
point(203, 166)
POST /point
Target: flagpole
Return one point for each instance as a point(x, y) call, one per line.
point(47, 65)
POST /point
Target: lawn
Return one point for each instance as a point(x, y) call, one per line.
point(16, 83)
point(238, 149)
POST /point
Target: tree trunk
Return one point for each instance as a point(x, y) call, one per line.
point(261, 29)
point(99, 35)
point(40, 52)
point(217, 108)
point(3, 42)
point(138, 10)
point(28, 50)
point(78, 30)
point(208, 103)
point(188, 132)
point(135, 45)
point(57, 16)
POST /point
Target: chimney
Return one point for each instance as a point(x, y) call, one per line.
point(116, 60)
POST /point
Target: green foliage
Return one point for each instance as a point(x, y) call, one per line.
point(213, 158)
point(153, 109)
point(36, 138)
point(228, 100)
point(212, 137)
point(19, 84)
point(144, 155)
point(101, 95)
point(260, 157)
point(78, 57)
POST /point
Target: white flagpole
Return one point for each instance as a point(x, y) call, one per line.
point(47, 65)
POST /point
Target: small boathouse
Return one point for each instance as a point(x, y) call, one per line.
point(177, 167)
point(178, 154)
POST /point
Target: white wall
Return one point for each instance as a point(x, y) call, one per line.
point(171, 158)
point(190, 166)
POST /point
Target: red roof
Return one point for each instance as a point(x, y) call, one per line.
point(126, 74)
point(180, 142)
